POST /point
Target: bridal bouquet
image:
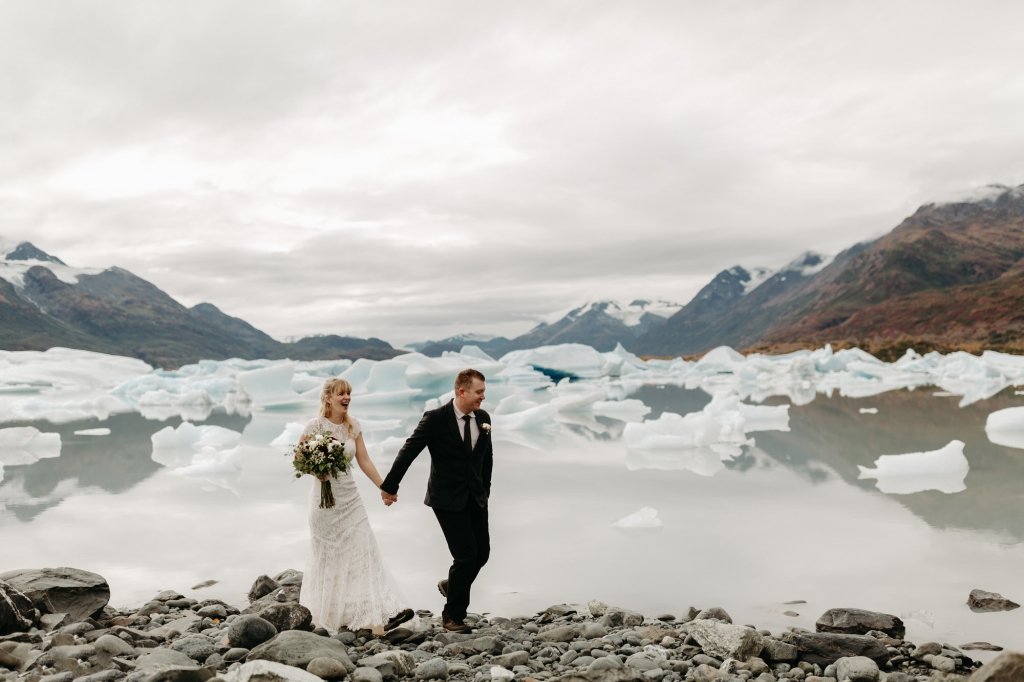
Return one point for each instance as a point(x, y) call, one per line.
point(321, 454)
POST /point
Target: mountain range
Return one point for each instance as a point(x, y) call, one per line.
point(45, 303)
point(949, 276)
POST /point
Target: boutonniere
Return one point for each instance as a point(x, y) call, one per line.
point(486, 428)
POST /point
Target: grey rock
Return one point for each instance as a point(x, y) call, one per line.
point(981, 646)
point(613, 675)
point(168, 595)
point(235, 654)
point(705, 673)
point(53, 621)
point(980, 601)
point(61, 590)
point(268, 671)
point(17, 613)
point(943, 664)
point(289, 577)
point(642, 662)
point(560, 610)
point(475, 645)
point(263, 586)
point(860, 622)
point(249, 630)
point(196, 647)
point(402, 662)
point(115, 646)
point(605, 663)
point(724, 639)
point(282, 595)
point(67, 652)
point(512, 660)
point(297, 648)
point(330, 669)
point(181, 674)
point(926, 649)
point(597, 608)
point(163, 658)
point(592, 630)
point(825, 648)
point(433, 669)
point(1006, 667)
point(289, 616)
point(778, 651)
point(714, 613)
point(66, 676)
point(857, 669)
point(559, 633)
point(361, 674)
point(102, 676)
point(217, 611)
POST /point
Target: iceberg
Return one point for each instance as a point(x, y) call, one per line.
point(1006, 427)
point(93, 432)
point(624, 410)
point(644, 519)
point(943, 470)
point(22, 445)
point(206, 453)
point(271, 387)
point(571, 360)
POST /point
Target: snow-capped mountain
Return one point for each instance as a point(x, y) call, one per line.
point(600, 324)
point(45, 302)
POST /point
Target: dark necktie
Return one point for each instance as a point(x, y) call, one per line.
point(467, 437)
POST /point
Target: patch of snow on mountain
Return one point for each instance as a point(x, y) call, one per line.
point(14, 271)
point(984, 195)
point(629, 315)
point(757, 278)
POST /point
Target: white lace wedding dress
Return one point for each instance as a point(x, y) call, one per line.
point(345, 583)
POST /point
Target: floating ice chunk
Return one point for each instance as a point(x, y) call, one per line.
point(645, 519)
point(538, 418)
point(375, 383)
point(721, 359)
point(93, 432)
point(624, 410)
point(176, 447)
point(943, 470)
point(26, 444)
point(270, 386)
point(475, 352)
point(569, 359)
point(290, 436)
point(703, 461)
point(868, 410)
point(1006, 427)
point(697, 429)
point(515, 402)
point(762, 417)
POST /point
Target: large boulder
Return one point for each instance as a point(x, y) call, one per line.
point(859, 622)
point(286, 594)
point(73, 591)
point(268, 671)
point(725, 640)
point(248, 631)
point(262, 586)
point(288, 616)
point(17, 614)
point(981, 601)
point(297, 648)
point(825, 648)
point(1006, 667)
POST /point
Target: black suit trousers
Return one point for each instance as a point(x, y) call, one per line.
point(469, 542)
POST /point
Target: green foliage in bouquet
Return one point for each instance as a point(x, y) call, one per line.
point(322, 455)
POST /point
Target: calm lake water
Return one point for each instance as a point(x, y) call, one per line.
point(788, 521)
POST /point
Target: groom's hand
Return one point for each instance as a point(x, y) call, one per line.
point(388, 498)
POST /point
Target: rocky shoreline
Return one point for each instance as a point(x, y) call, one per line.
point(56, 625)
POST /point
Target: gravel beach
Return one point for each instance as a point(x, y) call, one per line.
point(56, 625)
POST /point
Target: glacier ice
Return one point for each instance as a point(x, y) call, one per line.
point(21, 445)
point(644, 519)
point(943, 470)
point(206, 453)
point(1006, 427)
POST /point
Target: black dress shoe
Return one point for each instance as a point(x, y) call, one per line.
point(452, 625)
point(442, 587)
point(398, 619)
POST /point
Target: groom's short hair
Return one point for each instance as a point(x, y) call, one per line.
point(464, 379)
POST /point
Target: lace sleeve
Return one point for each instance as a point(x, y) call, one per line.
point(356, 429)
point(312, 426)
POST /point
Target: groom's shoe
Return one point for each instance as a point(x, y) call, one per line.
point(442, 587)
point(398, 619)
point(452, 625)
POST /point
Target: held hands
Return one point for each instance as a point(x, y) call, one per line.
point(388, 498)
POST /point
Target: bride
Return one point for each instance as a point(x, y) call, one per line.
point(345, 583)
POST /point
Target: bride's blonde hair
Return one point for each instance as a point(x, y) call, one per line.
point(330, 386)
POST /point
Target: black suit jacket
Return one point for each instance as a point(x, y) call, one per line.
point(456, 475)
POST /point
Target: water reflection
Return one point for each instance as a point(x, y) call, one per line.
point(113, 462)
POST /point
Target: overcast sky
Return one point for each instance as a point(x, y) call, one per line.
point(411, 170)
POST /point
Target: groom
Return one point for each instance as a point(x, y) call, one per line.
point(458, 437)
